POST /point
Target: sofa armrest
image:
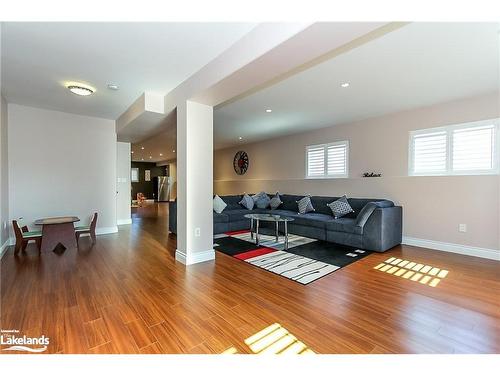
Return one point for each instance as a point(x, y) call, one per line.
point(383, 229)
point(172, 217)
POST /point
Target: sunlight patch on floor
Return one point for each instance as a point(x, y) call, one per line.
point(273, 340)
point(418, 272)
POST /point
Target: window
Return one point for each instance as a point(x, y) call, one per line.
point(327, 160)
point(134, 174)
point(470, 148)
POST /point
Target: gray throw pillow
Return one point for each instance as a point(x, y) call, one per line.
point(219, 204)
point(275, 202)
point(247, 202)
point(305, 205)
point(257, 196)
point(340, 207)
point(263, 201)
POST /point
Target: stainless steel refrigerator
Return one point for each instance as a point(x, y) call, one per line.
point(162, 187)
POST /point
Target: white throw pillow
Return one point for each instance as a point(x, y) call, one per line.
point(219, 204)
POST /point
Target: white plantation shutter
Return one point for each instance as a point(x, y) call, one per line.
point(337, 159)
point(473, 148)
point(327, 160)
point(457, 149)
point(316, 161)
point(429, 152)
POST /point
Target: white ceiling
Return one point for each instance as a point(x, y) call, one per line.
point(38, 58)
point(158, 148)
point(418, 65)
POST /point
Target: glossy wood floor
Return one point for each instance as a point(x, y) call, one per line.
point(128, 295)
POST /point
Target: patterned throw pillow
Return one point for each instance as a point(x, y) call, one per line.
point(247, 202)
point(219, 204)
point(305, 205)
point(340, 207)
point(275, 201)
point(263, 201)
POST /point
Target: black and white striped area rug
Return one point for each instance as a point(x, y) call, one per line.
point(304, 261)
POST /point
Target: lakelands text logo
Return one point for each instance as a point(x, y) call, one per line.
point(16, 342)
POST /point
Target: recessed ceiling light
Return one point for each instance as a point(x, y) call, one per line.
point(81, 90)
point(142, 148)
point(269, 110)
point(150, 157)
point(345, 84)
point(161, 154)
point(142, 159)
point(112, 86)
point(240, 138)
point(173, 150)
point(131, 152)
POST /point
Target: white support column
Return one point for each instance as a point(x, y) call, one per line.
point(194, 183)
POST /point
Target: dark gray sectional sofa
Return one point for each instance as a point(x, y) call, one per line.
point(375, 224)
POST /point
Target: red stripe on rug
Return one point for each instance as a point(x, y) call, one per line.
point(237, 232)
point(255, 253)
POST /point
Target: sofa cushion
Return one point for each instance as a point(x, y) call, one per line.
point(232, 201)
point(290, 202)
point(344, 224)
point(311, 219)
point(236, 215)
point(221, 218)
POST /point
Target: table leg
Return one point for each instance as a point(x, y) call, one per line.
point(55, 234)
point(257, 233)
point(286, 235)
point(277, 231)
point(251, 228)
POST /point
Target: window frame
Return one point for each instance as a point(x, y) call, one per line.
point(325, 160)
point(131, 175)
point(449, 129)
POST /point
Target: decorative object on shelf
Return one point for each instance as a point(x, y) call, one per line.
point(240, 162)
point(372, 174)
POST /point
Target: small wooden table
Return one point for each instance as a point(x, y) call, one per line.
point(58, 232)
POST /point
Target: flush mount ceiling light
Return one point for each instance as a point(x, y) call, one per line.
point(269, 110)
point(112, 86)
point(345, 84)
point(81, 90)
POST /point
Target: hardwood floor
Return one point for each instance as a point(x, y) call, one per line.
point(128, 295)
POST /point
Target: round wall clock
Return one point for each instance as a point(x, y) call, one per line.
point(240, 162)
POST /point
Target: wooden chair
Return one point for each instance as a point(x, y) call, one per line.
point(90, 229)
point(23, 236)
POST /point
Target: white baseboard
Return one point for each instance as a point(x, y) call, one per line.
point(124, 222)
point(453, 248)
point(106, 230)
point(192, 258)
point(4, 247)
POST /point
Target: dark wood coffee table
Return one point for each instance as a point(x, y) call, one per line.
point(58, 233)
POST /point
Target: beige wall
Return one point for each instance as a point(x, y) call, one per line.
point(61, 164)
point(4, 175)
point(433, 206)
point(123, 187)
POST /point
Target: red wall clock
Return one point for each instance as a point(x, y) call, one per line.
point(240, 162)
